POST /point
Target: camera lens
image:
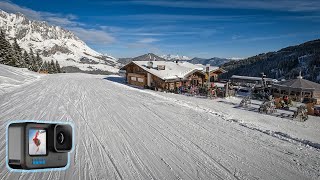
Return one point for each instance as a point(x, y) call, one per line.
point(60, 138)
point(63, 137)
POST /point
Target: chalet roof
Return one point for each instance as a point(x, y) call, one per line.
point(172, 70)
point(211, 68)
point(299, 83)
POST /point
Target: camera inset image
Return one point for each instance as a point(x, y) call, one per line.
point(37, 142)
point(38, 145)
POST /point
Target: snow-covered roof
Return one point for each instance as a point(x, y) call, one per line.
point(251, 78)
point(299, 83)
point(220, 85)
point(211, 68)
point(172, 70)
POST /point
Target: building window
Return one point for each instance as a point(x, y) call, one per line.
point(133, 78)
point(140, 80)
point(195, 82)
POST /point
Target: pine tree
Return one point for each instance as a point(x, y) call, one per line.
point(58, 67)
point(26, 59)
point(33, 62)
point(44, 66)
point(18, 53)
point(11, 57)
point(3, 48)
point(38, 61)
point(31, 54)
point(50, 70)
point(52, 67)
point(7, 55)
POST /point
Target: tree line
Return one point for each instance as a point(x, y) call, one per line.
point(14, 55)
point(286, 63)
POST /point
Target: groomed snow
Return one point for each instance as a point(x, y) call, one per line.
point(128, 133)
point(11, 78)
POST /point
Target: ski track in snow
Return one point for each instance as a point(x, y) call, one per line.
point(127, 133)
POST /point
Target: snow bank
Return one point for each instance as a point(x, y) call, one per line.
point(12, 77)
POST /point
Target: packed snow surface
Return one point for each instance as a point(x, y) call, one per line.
point(126, 133)
point(11, 77)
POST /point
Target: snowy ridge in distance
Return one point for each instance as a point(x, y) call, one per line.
point(175, 57)
point(54, 42)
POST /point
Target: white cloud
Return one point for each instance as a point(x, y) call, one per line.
point(51, 18)
point(284, 5)
point(145, 43)
point(148, 40)
point(235, 37)
point(68, 21)
point(93, 36)
point(183, 17)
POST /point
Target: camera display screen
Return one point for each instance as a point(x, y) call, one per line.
point(37, 142)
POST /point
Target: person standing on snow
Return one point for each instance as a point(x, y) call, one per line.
point(36, 140)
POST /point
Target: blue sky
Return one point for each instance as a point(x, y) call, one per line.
point(212, 28)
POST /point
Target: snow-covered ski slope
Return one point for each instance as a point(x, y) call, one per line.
point(128, 133)
point(11, 77)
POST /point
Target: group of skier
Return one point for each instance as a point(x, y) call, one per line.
point(210, 91)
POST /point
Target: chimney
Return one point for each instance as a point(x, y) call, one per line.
point(300, 77)
point(149, 64)
point(161, 67)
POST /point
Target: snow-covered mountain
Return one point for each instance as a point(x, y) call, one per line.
point(286, 63)
point(54, 42)
point(215, 61)
point(175, 57)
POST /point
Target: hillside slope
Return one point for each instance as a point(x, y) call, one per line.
point(285, 63)
point(12, 77)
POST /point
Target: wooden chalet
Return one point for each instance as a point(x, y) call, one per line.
point(298, 89)
point(212, 71)
point(165, 75)
point(250, 81)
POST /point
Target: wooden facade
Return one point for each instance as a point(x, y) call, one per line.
point(295, 93)
point(214, 74)
point(297, 89)
point(44, 72)
point(138, 76)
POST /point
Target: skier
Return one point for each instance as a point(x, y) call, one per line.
point(36, 140)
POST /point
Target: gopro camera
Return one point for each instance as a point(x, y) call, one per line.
point(33, 145)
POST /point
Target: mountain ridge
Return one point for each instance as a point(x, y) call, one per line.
point(285, 63)
point(174, 57)
point(144, 57)
point(215, 61)
point(54, 42)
